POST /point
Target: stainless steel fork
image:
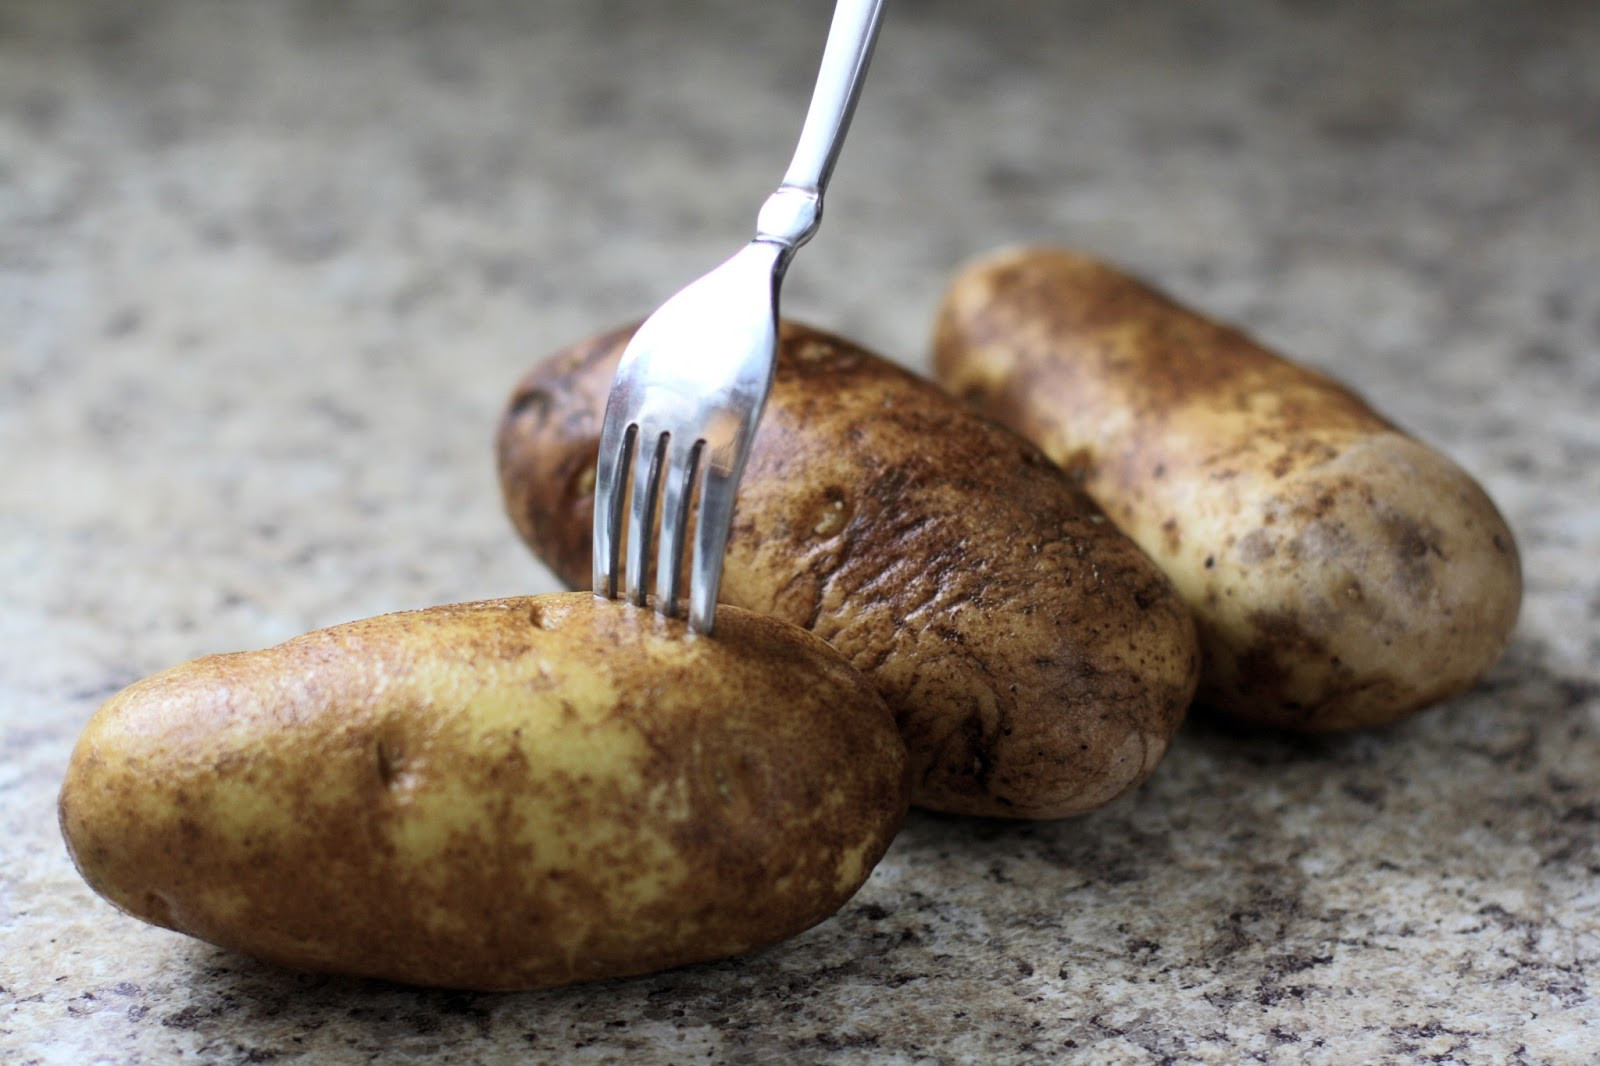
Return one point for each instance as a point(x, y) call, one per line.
point(693, 380)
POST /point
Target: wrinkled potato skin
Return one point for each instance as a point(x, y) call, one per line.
point(1037, 663)
point(501, 795)
point(1342, 573)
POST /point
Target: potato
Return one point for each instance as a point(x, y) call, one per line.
point(1342, 573)
point(1036, 661)
point(500, 795)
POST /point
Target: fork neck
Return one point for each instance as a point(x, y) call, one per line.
point(790, 216)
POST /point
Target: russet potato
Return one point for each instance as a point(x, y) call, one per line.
point(1038, 664)
point(1342, 572)
point(500, 795)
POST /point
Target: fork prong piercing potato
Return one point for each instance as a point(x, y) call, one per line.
point(1342, 573)
point(501, 795)
point(1036, 661)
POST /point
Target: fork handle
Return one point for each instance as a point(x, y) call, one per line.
point(791, 215)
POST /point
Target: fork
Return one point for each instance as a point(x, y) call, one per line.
point(692, 382)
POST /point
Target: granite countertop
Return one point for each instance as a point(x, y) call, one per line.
point(268, 271)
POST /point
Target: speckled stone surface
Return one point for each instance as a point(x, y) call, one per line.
point(268, 270)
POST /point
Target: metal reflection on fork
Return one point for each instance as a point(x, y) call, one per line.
point(692, 382)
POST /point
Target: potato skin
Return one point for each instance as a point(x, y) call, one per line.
point(1037, 662)
point(501, 795)
point(1342, 573)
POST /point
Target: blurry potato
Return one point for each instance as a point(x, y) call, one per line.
point(498, 795)
point(1036, 661)
point(1342, 573)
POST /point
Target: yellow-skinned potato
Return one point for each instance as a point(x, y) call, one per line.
point(500, 795)
point(1342, 573)
point(1036, 661)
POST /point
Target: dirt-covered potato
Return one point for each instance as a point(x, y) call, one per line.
point(1037, 662)
point(500, 795)
point(1342, 573)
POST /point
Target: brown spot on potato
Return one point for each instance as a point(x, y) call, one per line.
point(391, 765)
point(157, 910)
point(1413, 543)
point(1279, 639)
point(1170, 538)
point(1287, 631)
point(530, 403)
point(1257, 546)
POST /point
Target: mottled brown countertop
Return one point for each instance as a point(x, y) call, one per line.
point(267, 272)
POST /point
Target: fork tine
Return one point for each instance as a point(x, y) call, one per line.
point(611, 481)
point(717, 492)
point(682, 464)
point(641, 515)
